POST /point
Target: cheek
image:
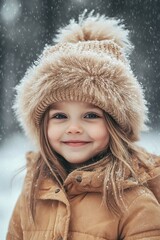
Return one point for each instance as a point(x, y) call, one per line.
point(52, 132)
point(103, 136)
point(100, 132)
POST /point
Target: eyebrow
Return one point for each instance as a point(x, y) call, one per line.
point(53, 107)
point(88, 108)
point(94, 108)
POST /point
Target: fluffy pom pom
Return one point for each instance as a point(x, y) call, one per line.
point(95, 27)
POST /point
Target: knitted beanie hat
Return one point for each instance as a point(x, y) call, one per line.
point(88, 63)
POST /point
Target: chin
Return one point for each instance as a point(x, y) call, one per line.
point(77, 161)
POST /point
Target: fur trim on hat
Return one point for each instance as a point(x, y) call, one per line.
point(91, 71)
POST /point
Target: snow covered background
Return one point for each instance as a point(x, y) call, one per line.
point(12, 156)
point(25, 28)
point(12, 153)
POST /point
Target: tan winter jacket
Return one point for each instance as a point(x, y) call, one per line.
point(79, 214)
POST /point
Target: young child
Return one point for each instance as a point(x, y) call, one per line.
point(85, 109)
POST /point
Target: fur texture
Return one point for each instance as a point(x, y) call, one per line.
point(89, 64)
point(95, 27)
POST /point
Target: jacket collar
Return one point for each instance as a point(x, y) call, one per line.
point(80, 181)
point(77, 182)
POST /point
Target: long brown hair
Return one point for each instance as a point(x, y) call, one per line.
point(123, 157)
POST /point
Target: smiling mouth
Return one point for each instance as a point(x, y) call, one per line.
point(76, 143)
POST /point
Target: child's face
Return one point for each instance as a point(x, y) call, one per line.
point(77, 131)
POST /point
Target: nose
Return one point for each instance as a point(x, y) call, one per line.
point(74, 129)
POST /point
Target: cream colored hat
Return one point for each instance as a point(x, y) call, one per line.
point(89, 63)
